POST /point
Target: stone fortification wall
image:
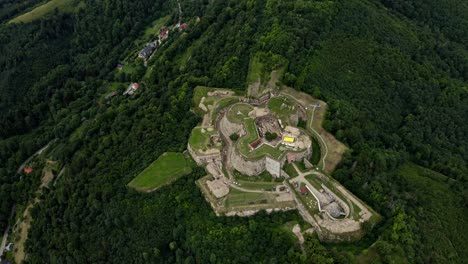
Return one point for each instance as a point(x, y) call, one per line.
point(204, 158)
point(337, 200)
point(245, 166)
point(273, 167)
point(228, 128)
point(299, 156)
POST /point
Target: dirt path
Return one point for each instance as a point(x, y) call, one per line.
point(20, 168)
point(25, 224)
point(23, 228)
point(254, 88)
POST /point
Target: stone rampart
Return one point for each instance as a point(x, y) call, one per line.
point(204, 158)
point(245, 166)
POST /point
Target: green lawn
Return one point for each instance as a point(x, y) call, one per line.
point(201, 140)
point(44, 9)
point(275, 104)
point(290, 170)
point(222, 104)
point(202, 91)
point(309, 202)
point(256, 69)
point(238, 198)
point(301, 166)
point(264, 181)
point(152, 32)
point(167, 168)
point(239, 112)
point(316, 152)
point(267, 186)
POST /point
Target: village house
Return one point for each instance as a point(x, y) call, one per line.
point(110, 95)
point(131, 89)
point(163, 34)
point(147, 51)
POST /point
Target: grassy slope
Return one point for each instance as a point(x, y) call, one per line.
point(44, 9)
point(256, 70)
point(199, 140)
point(275, 105)
point(166, 168)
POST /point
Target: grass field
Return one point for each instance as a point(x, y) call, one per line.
point(238, 198)
point(202, 91)
point(264, 181)
point(275, 103)
point(309, 202)
point(152, 32)
point(167, 168)
point(222, 104)
point(256, 69)
point(316, 152)
point(239, 112)
point(201, 140)
point(267, 186)
point(290, 170)
point(44, 9)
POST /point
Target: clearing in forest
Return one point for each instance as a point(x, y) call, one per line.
point(44, 9)
point(168, 167)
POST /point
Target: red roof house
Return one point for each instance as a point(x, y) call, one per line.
point(253, 145)
point(304, 190)
point(282, 188)
point(28, 170)
point(183, 26)
point(163, 34)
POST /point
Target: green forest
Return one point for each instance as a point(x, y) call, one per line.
point(393, 72)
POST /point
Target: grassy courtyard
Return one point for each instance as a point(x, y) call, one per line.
point(239, 112)
point(237, 198)
point(167, 168)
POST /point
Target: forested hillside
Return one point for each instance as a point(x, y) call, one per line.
point(394, 73)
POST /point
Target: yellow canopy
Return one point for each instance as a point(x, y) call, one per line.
point(288, 139)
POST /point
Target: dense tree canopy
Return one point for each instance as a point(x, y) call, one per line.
point(394, 74)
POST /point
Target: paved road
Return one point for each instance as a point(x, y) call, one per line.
point(32, 156)
point(313, 130)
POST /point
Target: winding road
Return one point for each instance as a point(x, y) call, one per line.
point(320, 137)
point(324, 156)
